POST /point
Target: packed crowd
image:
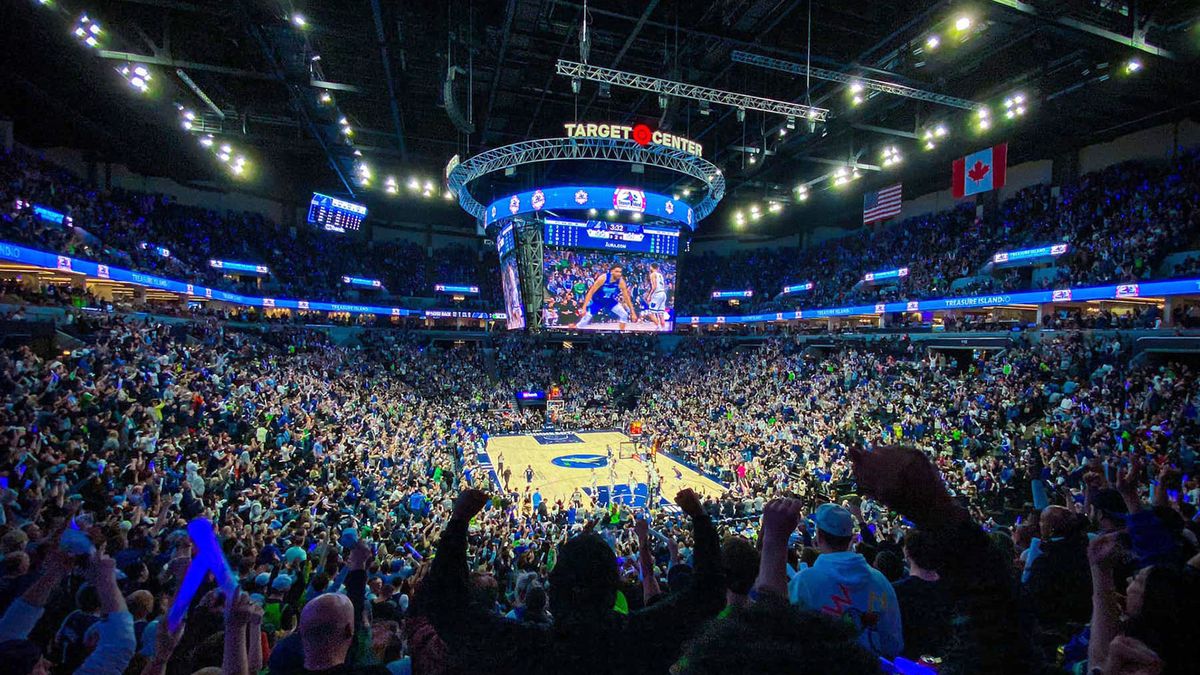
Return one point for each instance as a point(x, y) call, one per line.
point(132, 229)
point(1120, 223)
point(351, 495)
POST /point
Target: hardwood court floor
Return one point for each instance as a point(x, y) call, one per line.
point(564, 461)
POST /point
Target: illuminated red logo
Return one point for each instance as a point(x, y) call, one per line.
point(642, 134)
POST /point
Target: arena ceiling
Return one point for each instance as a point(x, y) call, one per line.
point(385, 64)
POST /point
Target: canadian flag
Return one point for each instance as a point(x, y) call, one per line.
point(980, 171)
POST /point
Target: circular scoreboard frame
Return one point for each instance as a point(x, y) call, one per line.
point(460, 175)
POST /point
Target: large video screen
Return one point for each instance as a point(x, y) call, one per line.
point(604, 291)
point(513, 309)
point(335, 215)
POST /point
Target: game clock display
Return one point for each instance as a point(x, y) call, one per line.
point(335, 215)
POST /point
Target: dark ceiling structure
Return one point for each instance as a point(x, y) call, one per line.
point(312, 90)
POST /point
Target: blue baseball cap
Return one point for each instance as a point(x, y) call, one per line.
point(835, 520)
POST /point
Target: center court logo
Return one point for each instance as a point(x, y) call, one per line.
point(580, 461)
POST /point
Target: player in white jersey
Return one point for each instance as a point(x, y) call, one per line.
point(658, 296)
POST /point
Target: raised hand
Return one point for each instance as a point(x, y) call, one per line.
point(469, 504)
point(1104, 551)
point(905, 480)
point(780, 517)
point(641, 528)
point(1127, 485)
point(687, 500)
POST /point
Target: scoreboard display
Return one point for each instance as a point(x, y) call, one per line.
point(603, 235)
point(335, 215)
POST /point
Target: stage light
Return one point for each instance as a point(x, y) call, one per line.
point(1132, 66)
point(347, 131)
point(414, 184)
point(223, 156)
point(755, 216)
point(428, 185)
point(207, 141)
point(299, 21)
point(857, 101)
point(326, 98)
point(932, 42)
point(226, 148)
point(804, 196)
point(449, 196)
point(612, 213)
point(427, 194)
point(891, 156)
point(391, 189)
point(142, 72)
point(675, 197)
point(591, 212)
point(775, 207)
point(343, 121)
point(186, 125)
point(940, 131)
point(741, 114)
point(856, 87)
point(752, 160)
point(962, 23)
point(1014, 106)
point(91, 41)
point(357, 152)
point(687, 192)
point(782, 132)
point(636, 216)
point(237, 169)
point(754, 209)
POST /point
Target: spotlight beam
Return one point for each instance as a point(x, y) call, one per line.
point(691, 91)
point(867, 83)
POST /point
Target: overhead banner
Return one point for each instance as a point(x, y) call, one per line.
point(980, 171)
point(595, 200)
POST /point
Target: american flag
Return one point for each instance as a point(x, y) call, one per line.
point(881, 205)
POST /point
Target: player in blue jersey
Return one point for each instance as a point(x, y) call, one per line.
point(610, 294)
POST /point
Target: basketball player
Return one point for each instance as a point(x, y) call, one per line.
point(610, 294)
point(658, 296)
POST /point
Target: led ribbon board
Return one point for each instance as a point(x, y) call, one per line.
point(456, 289)
point(798, 288)
point(335, 215)
point(603, 199)
point(48, 215)
point(246, 268)
point(603, 235)
point(871, 277)
point(727, 295)
point(1029, 255)
point(359, 281)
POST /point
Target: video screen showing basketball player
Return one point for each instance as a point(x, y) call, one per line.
point(608, 292)
point(514, 312)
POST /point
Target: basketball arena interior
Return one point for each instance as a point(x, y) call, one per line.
point(369, 337)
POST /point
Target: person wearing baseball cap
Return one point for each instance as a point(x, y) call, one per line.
point(842, 583)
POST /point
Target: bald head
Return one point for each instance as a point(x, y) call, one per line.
point(326, 630)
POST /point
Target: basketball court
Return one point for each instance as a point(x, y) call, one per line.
point(564, 461)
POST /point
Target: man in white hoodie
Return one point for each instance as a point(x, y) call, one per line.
point(842, 584)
